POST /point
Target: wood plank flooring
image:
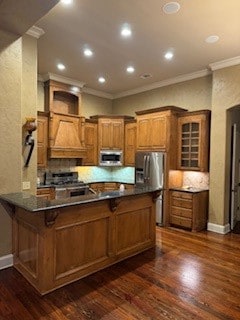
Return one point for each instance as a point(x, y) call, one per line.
point(187, 276)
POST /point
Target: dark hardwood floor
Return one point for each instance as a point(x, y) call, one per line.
point(187, 276)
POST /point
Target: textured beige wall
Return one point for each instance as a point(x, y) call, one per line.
point(225, 94)
point(192, 95)
point(40, 96)
point(10, 133)
point(18, 95)
point(29, 104)
point(92, 105)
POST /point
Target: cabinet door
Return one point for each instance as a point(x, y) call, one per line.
point(117, 134)
point(159, 132)
point(42, 141)
point(130, 143)
point(105, 139)
point(90, 144)
point(46, 193)
point(143, 134)
point(193, 132)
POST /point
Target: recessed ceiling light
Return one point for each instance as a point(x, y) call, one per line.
point(168, 55)
point(212, 39)
point(75, 89)
point(66, 1)
point(101, 80)
point(61, 66)
point(130, 69)
point(146, 76)
point(171, 7)
point(88, 52)
point(126, 31)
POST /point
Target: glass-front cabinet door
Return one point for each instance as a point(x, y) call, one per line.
point(193, 141)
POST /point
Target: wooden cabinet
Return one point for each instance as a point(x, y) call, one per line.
point(60, 98)
point(42, 139)
point(55, 247)
point(193, 140)
point(91, 143)
point(111, 134)
point(97, 186)
point(46, 193)
point(189, 210)
point(156, 128)
point(130, 143)
point(66, 126)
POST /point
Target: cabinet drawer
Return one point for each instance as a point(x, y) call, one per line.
point(183, 203)
point(181, 212)
point(180, 221)
point(182, 195)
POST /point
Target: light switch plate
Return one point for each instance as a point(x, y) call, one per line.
point(26, 185)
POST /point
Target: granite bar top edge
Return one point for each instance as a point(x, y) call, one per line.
point(32, 203)
point(189, 190)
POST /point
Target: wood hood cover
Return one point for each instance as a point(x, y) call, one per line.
point(66, 136)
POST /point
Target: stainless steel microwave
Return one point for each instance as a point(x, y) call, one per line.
point(111, 158)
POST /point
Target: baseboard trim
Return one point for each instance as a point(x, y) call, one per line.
point(218, 228)
point(6, 261)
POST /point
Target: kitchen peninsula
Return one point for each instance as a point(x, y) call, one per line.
point(56, 242)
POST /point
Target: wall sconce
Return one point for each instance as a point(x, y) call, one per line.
point(29, 126)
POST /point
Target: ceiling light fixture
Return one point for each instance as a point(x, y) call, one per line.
point(212, 39)
point(168, 55)
point(171, 7)
point(75, 89)
point(130, 69)
point(126, 31)
point(101, 80)
point(67, 2)
point(146, 76)
point(88, 52)
point(61, 66)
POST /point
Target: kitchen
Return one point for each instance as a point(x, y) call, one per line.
point(200, 93)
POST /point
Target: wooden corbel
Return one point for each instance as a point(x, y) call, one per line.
point(155, 195)
point(113, 204)
point(50, 216)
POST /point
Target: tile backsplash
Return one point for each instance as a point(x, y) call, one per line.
point(89, 173)
point(192, 179)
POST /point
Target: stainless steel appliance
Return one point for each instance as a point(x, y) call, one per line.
point(149, 171)
point(66, 184)
point(111, 158)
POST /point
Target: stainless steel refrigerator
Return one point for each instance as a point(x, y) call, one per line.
point(149, 171)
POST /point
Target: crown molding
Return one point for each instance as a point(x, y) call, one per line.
point(56, 77)
point(164, 83)
point(224, 63)
point(35, 32)
point(97, 93)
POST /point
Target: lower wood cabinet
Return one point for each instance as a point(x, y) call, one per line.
point(58, 246)
point(46, 193)
point(42, 139)
point(189, 210)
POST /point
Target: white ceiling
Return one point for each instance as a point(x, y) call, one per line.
point(97, 23)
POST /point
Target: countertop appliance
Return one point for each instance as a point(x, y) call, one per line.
point(149, 171)
point(66, 184)
point(111, 158)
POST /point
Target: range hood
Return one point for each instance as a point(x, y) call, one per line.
point(66, 136)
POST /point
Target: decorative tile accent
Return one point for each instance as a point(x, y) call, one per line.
point(196, 179)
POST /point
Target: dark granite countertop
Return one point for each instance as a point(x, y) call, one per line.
point(34, 204)
point(189, 189)
point(52, 186)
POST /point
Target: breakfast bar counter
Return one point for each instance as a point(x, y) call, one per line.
point(56, 242)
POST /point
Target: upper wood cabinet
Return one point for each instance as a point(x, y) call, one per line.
point(60, 98)
point(155, 128)
point(66, 136)
point(193, 140)
point(42, 139)
point(111, 132)
point(91, 143)
point(130, 143)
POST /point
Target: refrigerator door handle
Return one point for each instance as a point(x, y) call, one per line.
point(147, 168)
point(144, 168)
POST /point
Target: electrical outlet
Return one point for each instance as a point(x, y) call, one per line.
point(26, 185)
